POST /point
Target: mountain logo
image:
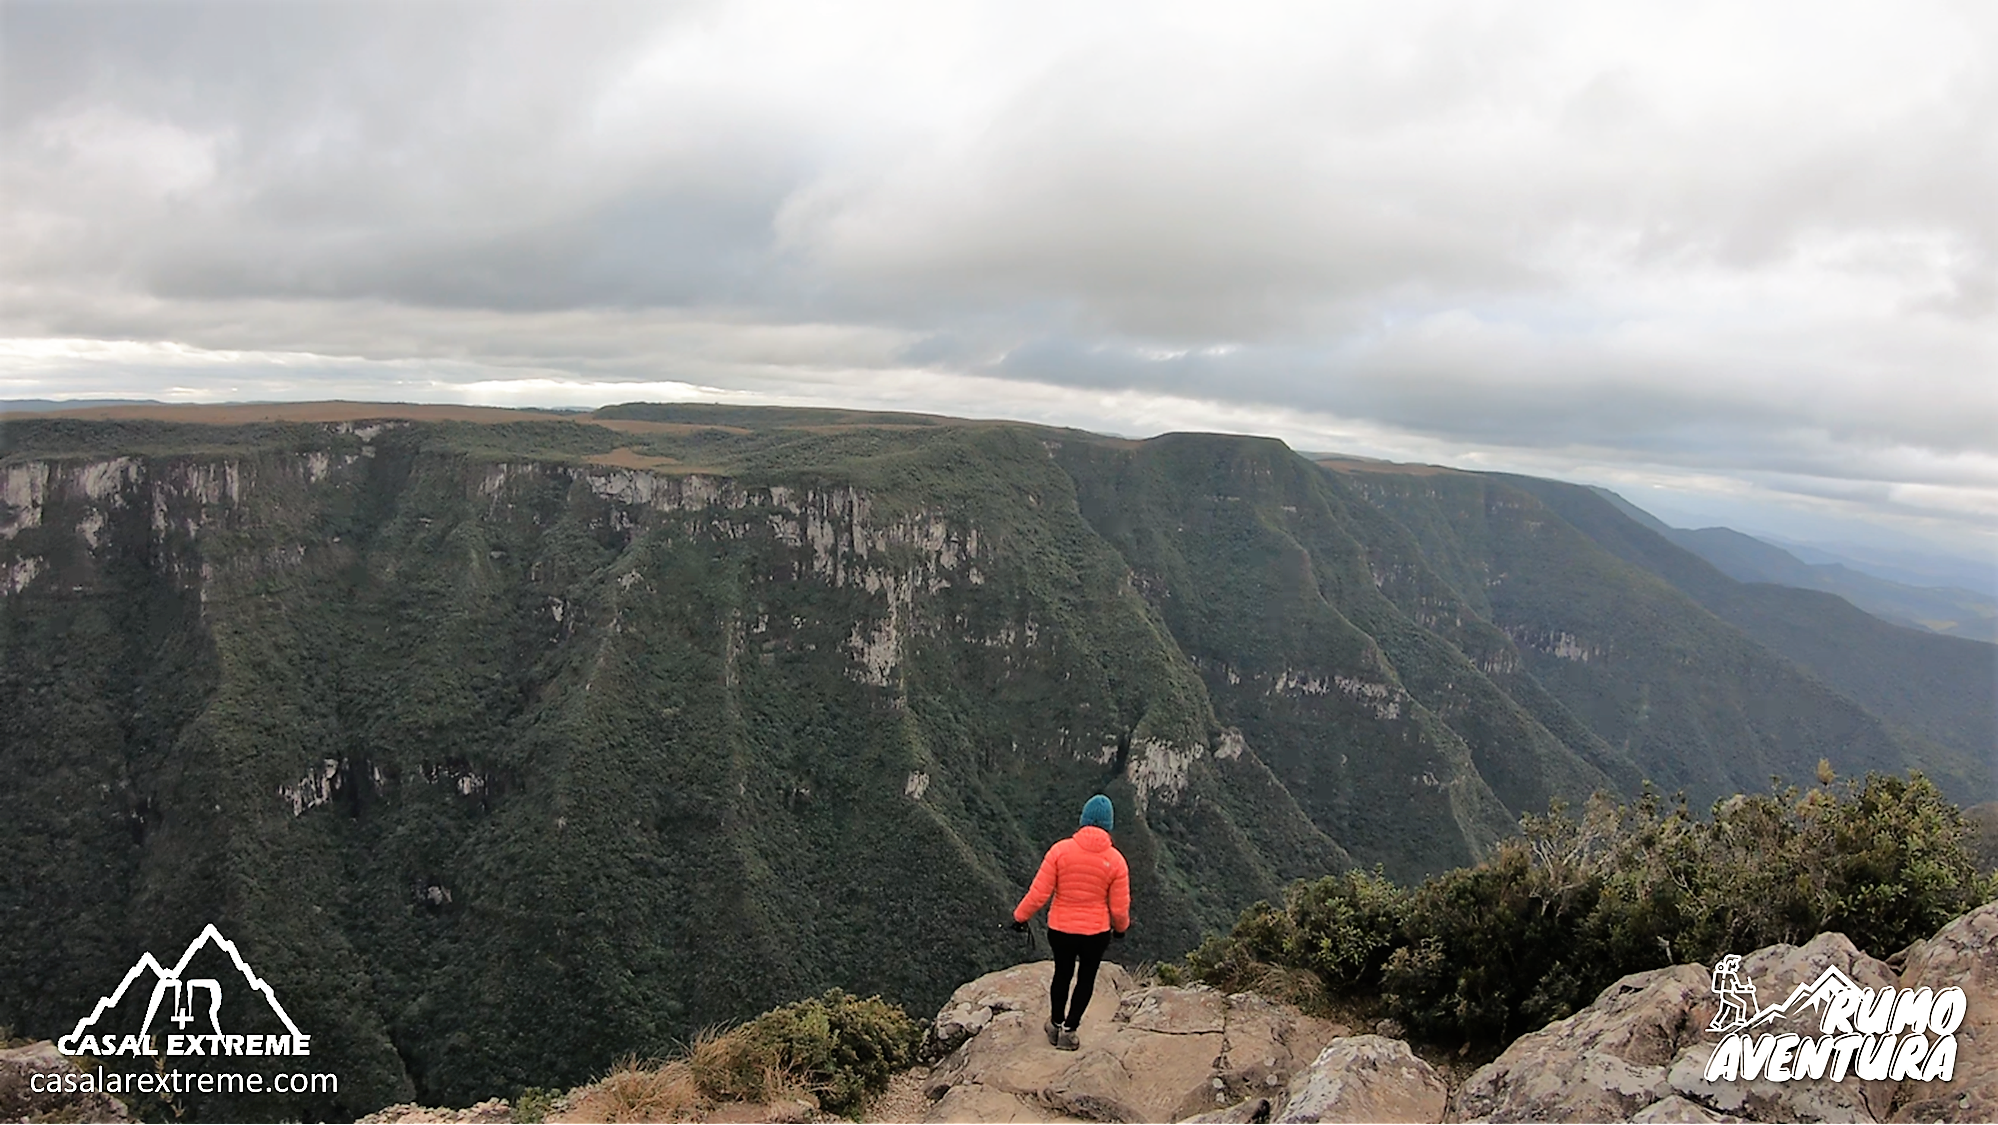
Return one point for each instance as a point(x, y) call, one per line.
point(1831, 989)
point(185, 1012)
point(1737, 996)
point(1875, 1034)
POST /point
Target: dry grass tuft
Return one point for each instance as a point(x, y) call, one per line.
point(732, 1066)
point(781, 1086)
point(725, 1075)
point(1300, 988)
point(636, 1091)
point(723, 1065)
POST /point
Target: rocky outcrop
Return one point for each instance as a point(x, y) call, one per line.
point(1020, 988)
point(493, 1111)
point(1604, 1063)
point(22, 1069)
point(1164, 1053)
point(1964, 954)
point(1640, 1052)
point(1366, 1078)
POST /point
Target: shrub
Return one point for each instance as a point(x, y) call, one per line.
point(1489, 951)
point(534, 1103)
point(1481, 954)
point(1346, 926)
point(1897, 860)
point(840, 1047)
point(1338, 929)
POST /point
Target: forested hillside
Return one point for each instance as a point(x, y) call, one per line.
point(506, 748)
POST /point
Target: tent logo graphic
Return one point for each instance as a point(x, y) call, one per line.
point(184, 1013)
point(1873, 1033)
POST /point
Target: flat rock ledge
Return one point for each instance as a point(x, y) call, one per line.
point(1164, 1053)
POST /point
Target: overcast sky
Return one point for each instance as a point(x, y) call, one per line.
point(1735, 260)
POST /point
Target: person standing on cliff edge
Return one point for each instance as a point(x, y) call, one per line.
point(1091, 886)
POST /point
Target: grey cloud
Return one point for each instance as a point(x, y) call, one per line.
point(433, 154)
point(1497, 385)
point(1760, 243)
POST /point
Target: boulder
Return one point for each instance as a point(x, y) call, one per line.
point(1604, 1063)
point(19, 1101)
point(1267, 1043)
point(1644, 1044)
point(1366, 1078)
point(1777, 970)
point(1964, 954)
point(1675, 1110)
point(1148, 1053)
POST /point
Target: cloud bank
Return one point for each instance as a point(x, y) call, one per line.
point(1714, 251)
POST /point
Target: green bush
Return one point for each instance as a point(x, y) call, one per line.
point(1490, 951)
point(1482, 954)
point(1345, 928)
point(1340, 929)
point(841, 1047)
point(533, 1104)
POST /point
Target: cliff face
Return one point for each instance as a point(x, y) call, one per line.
point(522, 764)
point(506, 750)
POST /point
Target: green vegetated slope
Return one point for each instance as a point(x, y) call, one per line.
point(507, 749)
point(1939, 692)
point(1645, 641)
point(1376, 716)
point(502, 764)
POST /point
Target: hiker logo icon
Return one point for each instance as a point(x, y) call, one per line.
point(1737, 995)
point(1870, 1033)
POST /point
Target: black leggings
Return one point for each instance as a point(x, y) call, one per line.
point(1069, 949)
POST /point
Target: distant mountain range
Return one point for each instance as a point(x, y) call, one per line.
point(1915, 567)
point(1949, 610)
point(508, 743)
point(44, 405)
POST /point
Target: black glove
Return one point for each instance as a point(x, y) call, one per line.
point(1117, 935)
point(1019, 927)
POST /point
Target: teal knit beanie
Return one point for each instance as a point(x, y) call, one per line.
point(1097, 811)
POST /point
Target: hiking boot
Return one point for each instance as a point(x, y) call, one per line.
point(1054, 1031)
point(1067, 1041)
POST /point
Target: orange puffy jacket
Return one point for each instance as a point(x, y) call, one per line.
point(1090, 884)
